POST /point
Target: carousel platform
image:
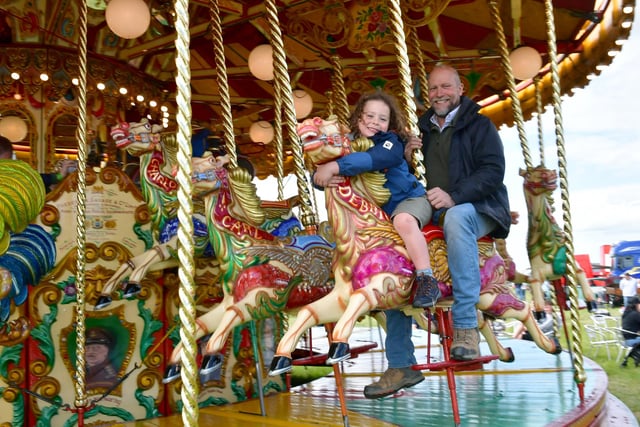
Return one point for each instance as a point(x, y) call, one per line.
point(537, 389)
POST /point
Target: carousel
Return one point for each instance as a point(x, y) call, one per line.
point(152, 286)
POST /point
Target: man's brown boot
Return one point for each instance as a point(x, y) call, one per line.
point(392, 380)
point(466, 344)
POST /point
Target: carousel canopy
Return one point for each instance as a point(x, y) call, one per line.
point(131, 72)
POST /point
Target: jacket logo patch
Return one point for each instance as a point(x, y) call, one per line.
point(388, 145)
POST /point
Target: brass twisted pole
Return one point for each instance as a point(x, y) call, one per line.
point(186, 268)
point(81, 213)
point(576, 338)
point(406, 95)
point(277, 137)
point(223, 84)
point(281, 74)
point(419, 63)
point(511, 84)
point(340, 105)
point(536, 82)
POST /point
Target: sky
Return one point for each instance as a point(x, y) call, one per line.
point(601, 128)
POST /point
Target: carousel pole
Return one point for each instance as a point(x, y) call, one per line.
point(186, 268)
point(341, 106)
point(419, 63)
point(229, 140)
point(576, 338)
point(81, 213)
point(406, 95)
point(511, 83)
point(281, 74)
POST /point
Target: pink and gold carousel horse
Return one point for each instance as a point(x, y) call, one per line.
point(371, 268)
point(546, 242)
point(262, 274)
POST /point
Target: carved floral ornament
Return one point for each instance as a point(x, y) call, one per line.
point(360, 25)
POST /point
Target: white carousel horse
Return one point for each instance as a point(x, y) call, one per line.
point(371, 267)
point(262, 274)
point(546, 242)
point(157, 156)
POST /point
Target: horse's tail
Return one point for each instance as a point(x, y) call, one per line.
point(29, 257)
point(22, 196)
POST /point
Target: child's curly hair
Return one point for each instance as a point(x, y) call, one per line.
point(397, 121)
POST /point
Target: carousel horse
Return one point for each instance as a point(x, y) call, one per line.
point(372, 270)
point(27, 251)
point(261, 274)
point(546, 242)
point(157, 156)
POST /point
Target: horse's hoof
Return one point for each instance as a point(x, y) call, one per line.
point(510, 357)
point(210, 363)
point(280, 365)
point(103, 302)
point(131, 290)
point(558, 347)
point(338, 351)
point(171, 374)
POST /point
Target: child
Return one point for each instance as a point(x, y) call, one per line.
point(378, 117)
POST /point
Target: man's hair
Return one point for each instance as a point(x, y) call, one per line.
point(5, 147)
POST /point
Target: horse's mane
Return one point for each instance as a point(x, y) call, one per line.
point(371, 184)
point(246, 203)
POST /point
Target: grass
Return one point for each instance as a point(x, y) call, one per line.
point(623, 381)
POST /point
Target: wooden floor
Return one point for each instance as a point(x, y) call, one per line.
point(537, 389)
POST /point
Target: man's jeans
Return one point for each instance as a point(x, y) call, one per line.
point(463, 226)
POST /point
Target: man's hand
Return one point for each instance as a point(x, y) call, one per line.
point(326, 175)
point(439, 198)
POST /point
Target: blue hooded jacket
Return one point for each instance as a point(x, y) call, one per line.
point(387, 156)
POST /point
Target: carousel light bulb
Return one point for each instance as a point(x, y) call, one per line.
point(100, 86)
point(261, 62)
point(123, 90)
point(44, 77)
point(302, 103)
point(15, 76)
point(525, 62)
point(128, 19)
point(261, 131)
point(139, 98)
point(75, 81)
point(13, 128)
point(153, 103)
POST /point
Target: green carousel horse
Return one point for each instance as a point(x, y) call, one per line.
point(371, 267)
point(546, 242)
point(262, 274)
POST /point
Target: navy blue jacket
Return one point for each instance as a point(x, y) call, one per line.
point(387, 156)
point(476, 164)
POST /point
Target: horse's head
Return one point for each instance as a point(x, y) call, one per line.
point(539, 180)
point(207, 172)
point(136, 137)
point(323, 140)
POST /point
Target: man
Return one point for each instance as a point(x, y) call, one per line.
point(465, 165)
point(100, 371)
point(628, 287)
point(49, 179)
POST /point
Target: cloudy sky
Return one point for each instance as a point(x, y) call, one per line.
point(602, 143)
point(602, 139)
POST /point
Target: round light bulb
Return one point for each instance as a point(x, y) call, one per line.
point(302, 103)
point(261, 62)
point(525, 62)
point(128, 19)
point(261, 131)
point(13, 128)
